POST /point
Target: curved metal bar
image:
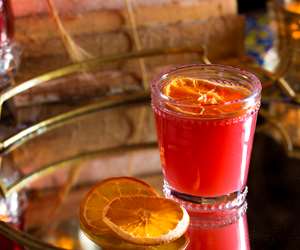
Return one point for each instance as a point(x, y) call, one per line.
point(90, 65)
point(25, 239)
point(86, 65)
point(113, 101)
point(25, 135)
point(49, 169)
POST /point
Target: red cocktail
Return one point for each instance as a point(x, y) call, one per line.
point(205, 118)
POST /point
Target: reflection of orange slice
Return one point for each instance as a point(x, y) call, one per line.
point(146, 220)
point(110, 241)
point(100, 195)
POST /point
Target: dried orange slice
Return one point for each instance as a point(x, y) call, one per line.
point(200, 96)
point(146, 220)
point(195, 91)
point(103, 193)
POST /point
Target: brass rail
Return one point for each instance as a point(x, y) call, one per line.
point(42, 127)
point(49, 169)
point(91, 65)
point(10, 143)
point(60, 120)
point(25, 239)
point(20, 138)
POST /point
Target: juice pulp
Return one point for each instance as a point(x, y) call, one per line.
point(226, 237)
point(201, 156)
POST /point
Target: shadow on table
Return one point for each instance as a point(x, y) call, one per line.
point(273, 197)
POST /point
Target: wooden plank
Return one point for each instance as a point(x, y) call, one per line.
point(223, 36)
point(65, 7)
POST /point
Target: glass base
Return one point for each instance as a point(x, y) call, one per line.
point(206, 204)
point(218, 218)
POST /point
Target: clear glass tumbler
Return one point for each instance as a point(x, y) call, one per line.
point(205, 118)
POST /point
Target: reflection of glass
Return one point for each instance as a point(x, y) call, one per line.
point(205, 155)
point(11, 207)
point(9, 51)
point(228, 233)
point(6, 21)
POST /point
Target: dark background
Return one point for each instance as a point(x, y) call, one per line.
point(251, 5)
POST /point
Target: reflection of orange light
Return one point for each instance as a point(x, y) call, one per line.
point(64, 242)
point(296, 34)
point(294, 26)
point(4, 218)
point(293, 7)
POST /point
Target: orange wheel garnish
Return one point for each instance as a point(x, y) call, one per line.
point(146, 220)
point(193, 91)
point(200, 96)
point(103, 193)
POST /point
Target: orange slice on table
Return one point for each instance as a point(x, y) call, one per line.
point(146, 220)
point(102, 194)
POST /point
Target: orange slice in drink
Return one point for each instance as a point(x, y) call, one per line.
point(103, 193)
point(194, 91)
point(146, 220)
point(201, 96)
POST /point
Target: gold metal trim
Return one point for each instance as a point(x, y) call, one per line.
point(18, 139)
point(49, 169)
point(91, 65)
point(57, 121)
point(109, 102)
point(60, 120)
point(25, 239)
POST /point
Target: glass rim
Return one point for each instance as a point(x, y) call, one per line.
point(248, 76)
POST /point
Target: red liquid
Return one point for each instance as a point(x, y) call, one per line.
point(228, 237)
point(205, 157)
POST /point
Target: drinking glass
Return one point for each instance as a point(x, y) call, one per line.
point(205, 149)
